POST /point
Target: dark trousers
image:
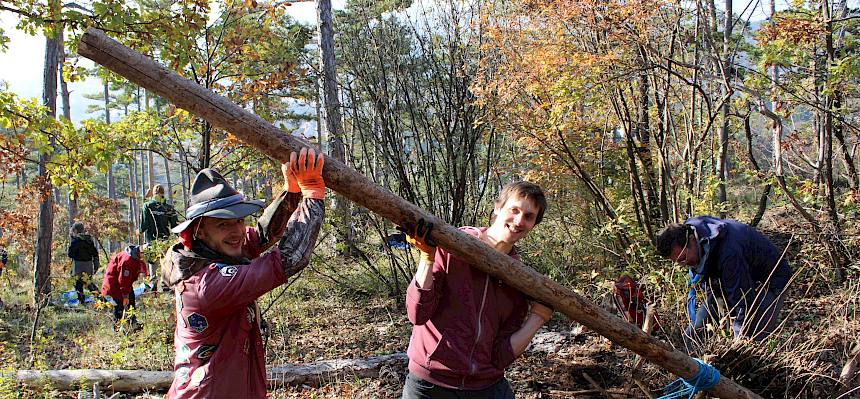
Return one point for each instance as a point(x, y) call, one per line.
point(416, 388)
point(79, 287)
point(119, 309)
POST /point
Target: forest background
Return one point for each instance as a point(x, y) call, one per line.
point(631, 115)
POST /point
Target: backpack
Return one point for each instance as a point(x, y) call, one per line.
point(629, 299)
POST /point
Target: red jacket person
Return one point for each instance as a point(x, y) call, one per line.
point(122, 271)
point(467, 325)
point(219, 269)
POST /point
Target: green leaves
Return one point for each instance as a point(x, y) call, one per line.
point(76, 152)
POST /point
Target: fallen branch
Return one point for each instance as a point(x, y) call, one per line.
point(145, 380)
point(647, 327)
point(318, 371)
point(849, 370)
point(596, 386)
point(584, 392)
point(110, 380)
point(257, 132)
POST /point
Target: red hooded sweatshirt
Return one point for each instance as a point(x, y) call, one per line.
point(463, 324)
point(122, 272)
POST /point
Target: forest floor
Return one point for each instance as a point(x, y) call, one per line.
point(315, 320)
point(307, 329)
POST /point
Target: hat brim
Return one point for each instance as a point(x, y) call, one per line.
point(234, 211)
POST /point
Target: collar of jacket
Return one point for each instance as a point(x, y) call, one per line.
point(182, 264)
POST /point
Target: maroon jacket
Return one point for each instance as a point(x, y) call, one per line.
point(219, 348)
point(462, 330)
point(121, 273)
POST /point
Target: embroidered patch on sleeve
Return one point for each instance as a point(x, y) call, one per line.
point(205, 351)
point(227, 270)
point(198, 322)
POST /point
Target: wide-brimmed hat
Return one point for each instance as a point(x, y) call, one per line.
point(212, 196)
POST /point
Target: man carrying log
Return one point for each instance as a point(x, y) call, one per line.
point(735, 262)
point(467, 325)
point(218, 270)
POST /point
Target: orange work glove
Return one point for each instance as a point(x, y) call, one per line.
point(290, 179)
point(124, 301)
point(540, 310)
point(420, 238)
point(308, 171)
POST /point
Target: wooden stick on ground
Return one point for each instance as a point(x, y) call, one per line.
point(647, 327)
point(143, 380)
point(596, 386)
point(257, 132)
point(846, 376)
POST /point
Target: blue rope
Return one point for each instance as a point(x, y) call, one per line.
point(691, 295)
point(707, 378)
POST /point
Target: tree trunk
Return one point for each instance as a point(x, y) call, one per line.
point(113, 245)
point(132, 199)
point(331, 113)
point(762, 202)
point(168, 193)
point(257, 132)
point(838, 101)
point(150, 165)
point(847, 158)
point(45, 229)
point(67, 114)
point(146, 380)
point(643, 152)
point(827, 126)
point(141, 185)
point(723, 158)
point(205, 143)
point(183, 171)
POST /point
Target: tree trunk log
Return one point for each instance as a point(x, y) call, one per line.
point(110, 380)
point(270, 140)
point(143, 380)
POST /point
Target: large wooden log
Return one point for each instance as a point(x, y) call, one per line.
point(146, 380)
point(111, 380)
point(277, 144)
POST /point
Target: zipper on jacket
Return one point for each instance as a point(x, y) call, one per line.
point(478, 334)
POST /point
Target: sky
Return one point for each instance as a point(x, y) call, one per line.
point(22, 64)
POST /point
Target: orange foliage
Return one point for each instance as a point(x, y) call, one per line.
point(797, 31)
point(550, 64)
point(12, 150)
point(19, 223)
point(104, 217)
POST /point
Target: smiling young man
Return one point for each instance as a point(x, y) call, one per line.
point(218, 270)
point(467, 325)
point(732, 261)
